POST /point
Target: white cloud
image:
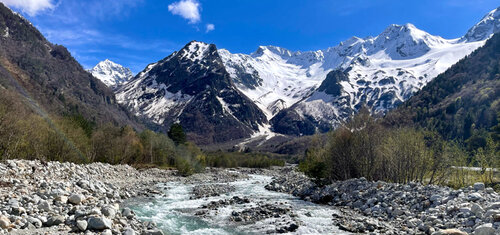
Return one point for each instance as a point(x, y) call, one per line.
point(210, 27)
point(187, 9)
point(32, 7)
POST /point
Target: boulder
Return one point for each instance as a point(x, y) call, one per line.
point(477, 209)
point(485, 229)
point(99, 223)
point(44, 205)
point(128, 231)
point(474, 197)
point(55, 220)
point(479, 186)
point(76, 199)
point(109, 212)
point(449, 232)
point(36, 222)
point(126, 212)
point(152, 232)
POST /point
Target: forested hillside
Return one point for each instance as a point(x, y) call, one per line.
point(463, 103)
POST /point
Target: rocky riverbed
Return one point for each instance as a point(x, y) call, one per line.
point(388, 208)
point(62, 198)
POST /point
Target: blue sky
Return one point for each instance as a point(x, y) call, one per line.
point(135, 33)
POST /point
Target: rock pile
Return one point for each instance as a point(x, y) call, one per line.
point(58, 198)
point(211, 190)
point(405, 208)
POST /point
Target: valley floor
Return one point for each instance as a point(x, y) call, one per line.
point(59, 198)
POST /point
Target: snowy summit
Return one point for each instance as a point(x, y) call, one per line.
point(111, 73)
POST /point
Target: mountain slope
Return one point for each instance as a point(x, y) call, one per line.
point(382, 72)
point(48, 76)
point(111, 73)
point(192, 87)
point(465, 97)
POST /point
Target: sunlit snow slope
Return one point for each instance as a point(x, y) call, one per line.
point(382, 72)
point(111, 74)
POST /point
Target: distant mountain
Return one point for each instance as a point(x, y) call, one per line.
point(111, 74)
point(464, 98)
point(219, 96)
point(380, 72)
point(192, 87)
point(483, 30)
point(47, 76)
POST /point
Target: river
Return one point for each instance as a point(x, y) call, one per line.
point(175, 212)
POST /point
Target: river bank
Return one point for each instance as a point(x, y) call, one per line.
point(62, 198)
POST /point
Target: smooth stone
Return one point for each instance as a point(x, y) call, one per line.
point(474, 197)
point(128, 231)
point(479, 186)
point(485, 229)
point(82, 225)
point(152, 232)
point(44, 205)
point(449, 232)
point(36, 222)
point(126, 212)
point(477, 209)
point(55, 220)
point(99, 223)
point(76, 199)
point(109, 212)
point(107, 232)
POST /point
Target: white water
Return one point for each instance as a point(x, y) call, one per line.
point(174, 213)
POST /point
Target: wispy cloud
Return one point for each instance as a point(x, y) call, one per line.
point(187, 9)
point(31, 7)
point(82, 37)
point(210, 27)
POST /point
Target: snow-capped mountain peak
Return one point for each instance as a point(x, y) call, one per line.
point(403, 42)
point(196, 50)
point(111, 73)
point(489, 25)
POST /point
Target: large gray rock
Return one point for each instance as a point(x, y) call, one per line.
point(55, 220)
point(474, 197)
point(44, 205)
point(485, 229)
point(109, 212)
point(479, 186)
point(126, 212)
point(76, 199)
point(449, 232)
point(128, 231)
point(36, 222)
point(477, 209)
point(152, 232)
point(99, 223)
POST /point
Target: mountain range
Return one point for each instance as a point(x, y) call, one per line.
point(219, 96)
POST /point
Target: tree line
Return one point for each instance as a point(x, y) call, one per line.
point(72, 138)
point(378, 150)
